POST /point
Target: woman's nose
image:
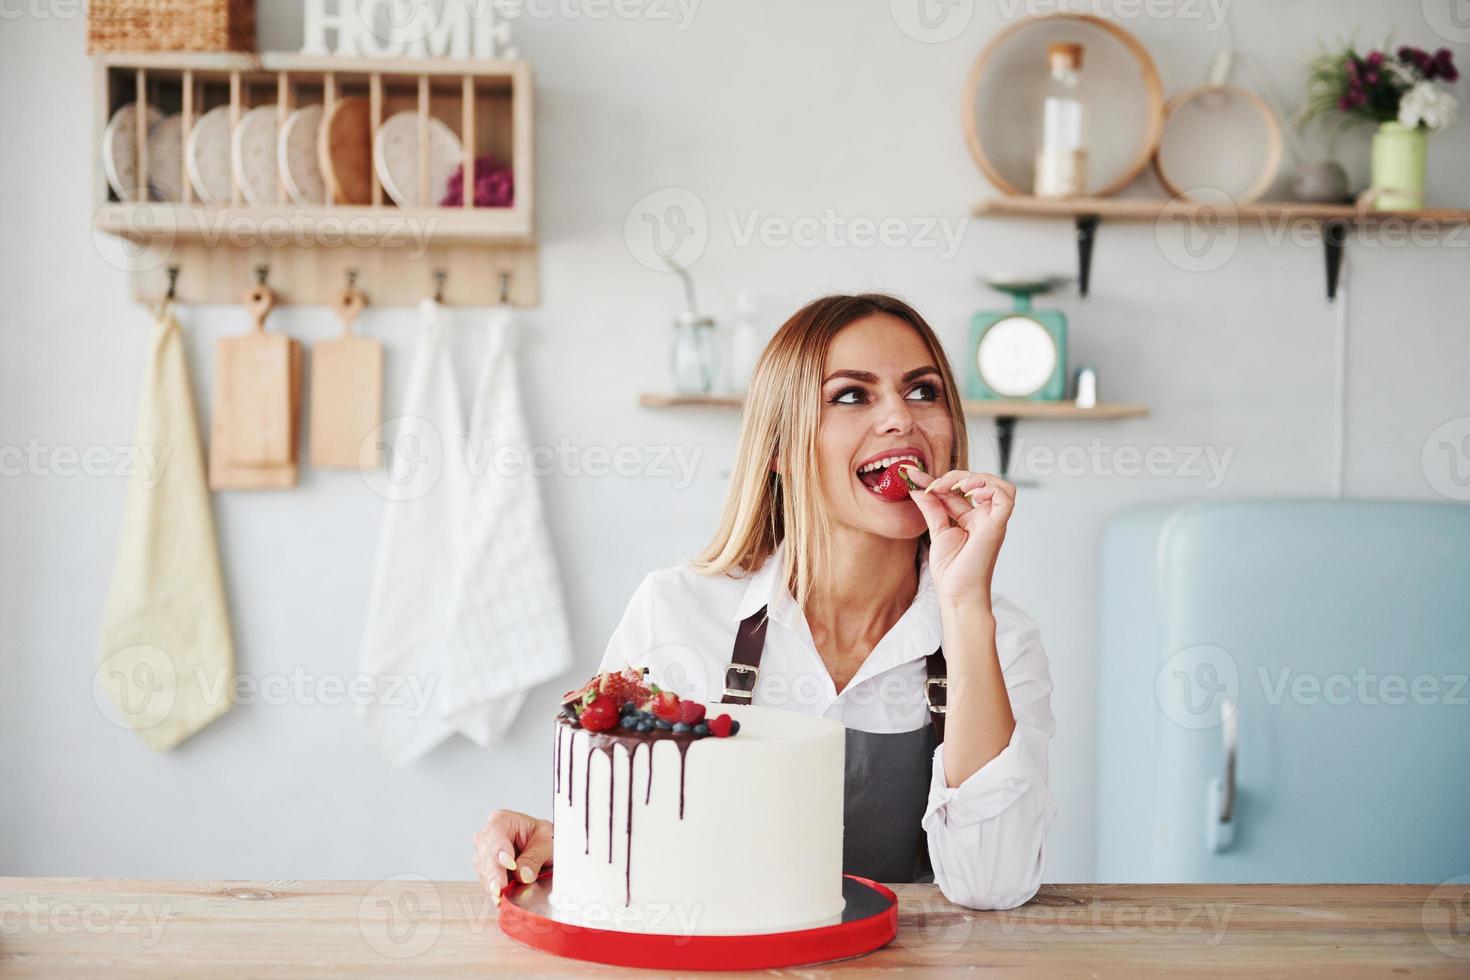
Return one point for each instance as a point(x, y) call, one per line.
point(894, 415)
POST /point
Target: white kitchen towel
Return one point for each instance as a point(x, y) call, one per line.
point(405, 635)
point(508, 628)
point(167, 661)
point(466, 612)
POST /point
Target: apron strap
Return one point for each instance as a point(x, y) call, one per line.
point(745, 661)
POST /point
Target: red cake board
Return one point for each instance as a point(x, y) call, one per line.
point(869, 922)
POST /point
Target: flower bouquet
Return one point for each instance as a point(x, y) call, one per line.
point(1406, 94)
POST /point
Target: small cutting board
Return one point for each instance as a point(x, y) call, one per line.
point(346, 394)
point(253, 441)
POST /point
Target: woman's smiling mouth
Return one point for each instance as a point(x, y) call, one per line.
point(870, 471)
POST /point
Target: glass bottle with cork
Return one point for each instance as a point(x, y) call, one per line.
point(1061, 160)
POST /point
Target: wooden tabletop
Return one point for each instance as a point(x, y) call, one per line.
point(409, 926)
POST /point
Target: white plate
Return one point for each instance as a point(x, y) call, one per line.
point(166, 159)
point(208, 157)
point(296, 157)
point(396, 159)
point(120, 151)
point(254, 155)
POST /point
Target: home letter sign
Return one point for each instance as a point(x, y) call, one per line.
point(411, 28)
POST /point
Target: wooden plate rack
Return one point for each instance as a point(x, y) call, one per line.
point(467, 255)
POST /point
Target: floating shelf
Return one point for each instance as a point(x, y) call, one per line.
point(395, 252)
point(1005, 413)
point(1087, 212)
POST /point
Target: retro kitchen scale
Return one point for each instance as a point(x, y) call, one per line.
point(1019, 354)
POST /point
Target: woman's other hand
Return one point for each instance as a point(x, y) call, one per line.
point(511, 843)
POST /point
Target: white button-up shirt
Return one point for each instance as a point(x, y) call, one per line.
point(987, 836)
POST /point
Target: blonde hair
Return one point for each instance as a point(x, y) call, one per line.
point(775, 491)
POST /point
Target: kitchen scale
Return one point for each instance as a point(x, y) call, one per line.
point(1017, 355)
point(869, 921)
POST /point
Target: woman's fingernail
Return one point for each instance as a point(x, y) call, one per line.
point(527, 875)
point(956, 487)
point(506, 860)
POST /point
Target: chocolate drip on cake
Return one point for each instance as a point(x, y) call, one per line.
point(606, 743)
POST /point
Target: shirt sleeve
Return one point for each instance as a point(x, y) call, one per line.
point(987, 836)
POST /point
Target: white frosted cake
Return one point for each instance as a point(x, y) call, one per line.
point(670, 829)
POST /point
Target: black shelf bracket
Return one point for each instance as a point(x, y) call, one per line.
point(1086, 234)
point(1005, 432)
point(1334, 237)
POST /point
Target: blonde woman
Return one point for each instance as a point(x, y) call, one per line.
point(854, 600)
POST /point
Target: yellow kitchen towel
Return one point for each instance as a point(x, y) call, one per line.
point(167, 661)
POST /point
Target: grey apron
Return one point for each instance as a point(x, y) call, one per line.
point(886, 774)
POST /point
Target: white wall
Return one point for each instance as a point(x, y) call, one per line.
point(786, 108)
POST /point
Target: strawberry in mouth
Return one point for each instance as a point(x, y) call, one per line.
point(885, 476)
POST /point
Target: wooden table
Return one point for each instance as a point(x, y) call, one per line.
point(409, 926)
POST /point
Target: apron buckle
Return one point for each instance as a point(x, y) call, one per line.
point(734, 686)
point(936, 703)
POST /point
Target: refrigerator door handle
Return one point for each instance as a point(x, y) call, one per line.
point(1220, 798)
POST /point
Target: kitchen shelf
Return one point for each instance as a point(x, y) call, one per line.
point(1088, 212)
point(397, 255)
point(1005, 413)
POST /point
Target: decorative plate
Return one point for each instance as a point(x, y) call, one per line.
point(120, 151)
point(166, 159)
point(396, 158)
point(296, 157)
point(254, 155)
point(345, 152)
point(208, 158)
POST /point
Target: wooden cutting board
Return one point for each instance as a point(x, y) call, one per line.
point(344, 146)
point(253, 434)
point(346, 394)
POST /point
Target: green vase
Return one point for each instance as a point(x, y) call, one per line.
point(1400, 156)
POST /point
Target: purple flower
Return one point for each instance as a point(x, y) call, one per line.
point(1375, 58)
point(494, 185)
point(1371, 78)
point(1350, 68)
point(1444, 65)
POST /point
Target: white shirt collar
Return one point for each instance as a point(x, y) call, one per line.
point(916, 634)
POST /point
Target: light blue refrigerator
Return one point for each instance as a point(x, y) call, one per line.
point(1284, 693)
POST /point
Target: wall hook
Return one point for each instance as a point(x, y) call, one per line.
point(505, 288)
point(261, 272)
point(351, 278)
point(439, 276)
point(173, 283)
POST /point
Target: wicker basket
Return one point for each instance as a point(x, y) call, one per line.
point(171, 25)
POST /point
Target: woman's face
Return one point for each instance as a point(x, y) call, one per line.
point(882, 398)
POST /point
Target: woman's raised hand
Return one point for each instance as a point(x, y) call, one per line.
point(967, 515)
point(511, 843)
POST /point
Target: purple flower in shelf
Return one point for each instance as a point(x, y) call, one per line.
point(494, 185)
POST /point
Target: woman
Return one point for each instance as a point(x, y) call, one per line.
point(869, 605)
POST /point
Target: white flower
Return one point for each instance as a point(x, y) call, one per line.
point(1429, 105)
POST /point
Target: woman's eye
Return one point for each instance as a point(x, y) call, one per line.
point(849, 396)
point(925, 393)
